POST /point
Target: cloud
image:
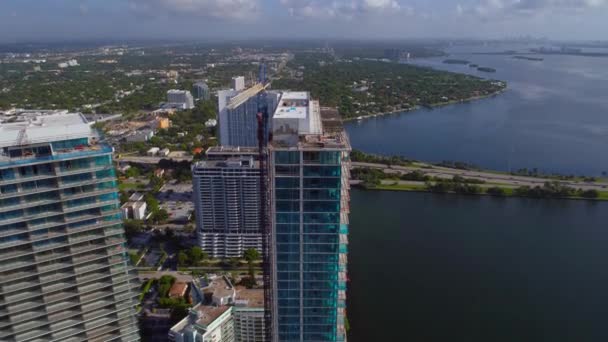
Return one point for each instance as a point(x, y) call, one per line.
point(343, 9)
point(492, 8)
point(217, 9)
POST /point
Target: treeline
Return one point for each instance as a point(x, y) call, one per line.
point(554, 190)
point(373, 177)
point(362, 157)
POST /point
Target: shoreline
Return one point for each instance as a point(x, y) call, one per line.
point(391, 188)
point(432, 106)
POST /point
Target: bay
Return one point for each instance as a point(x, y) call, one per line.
point(554, 117)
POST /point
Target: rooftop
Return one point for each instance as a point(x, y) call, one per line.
point(252, 298)
point(177, 290)
point(293, 105)
point(325, 131)
point(25, 127)
point(220, 287)
point(230, 162)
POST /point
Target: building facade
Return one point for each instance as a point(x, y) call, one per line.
point(201, 92)
point(180, 97)
point(238, 83)
point(309, 167)
point(227, 204)
point(238, 115)
point(64, 273)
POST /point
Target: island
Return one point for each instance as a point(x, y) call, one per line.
point(486, 69)
point(456, 61)
point(361, 88)
point(534, 59)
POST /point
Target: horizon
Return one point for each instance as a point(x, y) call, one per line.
point(64, 20)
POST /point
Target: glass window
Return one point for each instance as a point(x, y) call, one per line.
point(288, 206)
point(287, 194)
point(321, 229)
point(322, 157)
point(8, 189)
point(287, 183)
point(314, 238)
point(7, 174)
point(288, 238)
point(288, 218)
point(288, 248)
point(322, 171)
point(320, 248)
point(322, 218)
point(285, 157)
point(322, 207)
point(288, 257)
point(286, 170)
point(288, 228)
point(322, 183)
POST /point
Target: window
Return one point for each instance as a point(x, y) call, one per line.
point(285, 157)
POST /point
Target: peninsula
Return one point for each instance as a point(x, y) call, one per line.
point(364, 88)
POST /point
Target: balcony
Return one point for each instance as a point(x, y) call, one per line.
point(86, 151)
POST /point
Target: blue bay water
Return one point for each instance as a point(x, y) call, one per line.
point(554, 117)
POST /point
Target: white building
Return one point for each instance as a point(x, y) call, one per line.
point(164, 152)
point(153, 151)
point(238, 83)
point(227, 203)
point(181, 98)
point(241, 320)
point(134, 210)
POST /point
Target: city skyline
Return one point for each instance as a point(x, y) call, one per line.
point(61, 20)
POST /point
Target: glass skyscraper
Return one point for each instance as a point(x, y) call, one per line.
point(64, 273)
point(309, 163)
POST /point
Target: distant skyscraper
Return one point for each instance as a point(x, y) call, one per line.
point(238, 83)
point(309, 177)
point(64, 273)
point(238, 115)
point(227, 202)
point(201, 91)
point(181, 97)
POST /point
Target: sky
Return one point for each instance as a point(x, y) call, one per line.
point(65, 20)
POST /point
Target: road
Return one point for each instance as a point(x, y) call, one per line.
point(151, 160)
point(488, 177)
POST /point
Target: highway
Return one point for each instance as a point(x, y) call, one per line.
point(488, 177)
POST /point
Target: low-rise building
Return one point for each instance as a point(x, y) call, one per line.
point(153, 151)
point(241, 319)
point(140, 136)
point(178, 290)
point(159, 173)
point(134, 210)
point(164, 152)
point(163, 123)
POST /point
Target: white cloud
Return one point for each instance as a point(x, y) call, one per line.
point(220, 9)
point(489, 8)
point(343, 9)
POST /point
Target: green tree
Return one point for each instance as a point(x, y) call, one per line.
point(159, 216)
point(182, 259)
point(133, 227)
point(251, 255)
point(197, 255)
